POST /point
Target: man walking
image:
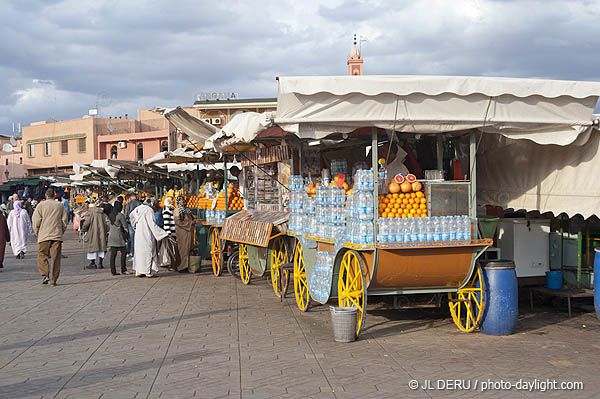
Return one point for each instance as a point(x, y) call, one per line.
point(132, 203)
point(49, 225)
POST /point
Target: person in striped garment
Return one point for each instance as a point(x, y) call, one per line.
point(168, 217)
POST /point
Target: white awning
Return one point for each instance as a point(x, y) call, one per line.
point(243, 128)
point(179, 155)
point(520, 174)
point(544, 111)
point(195, 128)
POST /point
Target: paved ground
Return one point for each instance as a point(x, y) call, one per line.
point(182, 336)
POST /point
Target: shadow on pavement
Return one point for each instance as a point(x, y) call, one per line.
point(53, 383)
point(108, 330)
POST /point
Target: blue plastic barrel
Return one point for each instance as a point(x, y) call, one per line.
point(554, 280)
point(597, 281)
point(501, 298)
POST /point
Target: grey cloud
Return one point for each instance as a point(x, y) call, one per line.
point(147, 53)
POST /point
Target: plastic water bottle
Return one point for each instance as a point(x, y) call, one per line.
point(391, 231)
point(368, 237)
point(421, 230)
point(383, 177)
point(453, 227)
point(381, 234)
point(445, 228)
point(466, 227)
point(437, 229)
point(399, 230)
point(412, 231)
point(430, 229)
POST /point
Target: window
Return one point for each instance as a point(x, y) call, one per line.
point(113, 152)
point(164, 146)
point(64, 147)
point(31, 150)
point(6, 161)
point(140, 150)
point(47, 149)
point(21, 160)
point(82, 144)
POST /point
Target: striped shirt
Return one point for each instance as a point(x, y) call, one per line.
point(168, 221)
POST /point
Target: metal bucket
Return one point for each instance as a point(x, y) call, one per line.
point(344, 321)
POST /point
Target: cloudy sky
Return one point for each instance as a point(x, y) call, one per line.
point(60, 58)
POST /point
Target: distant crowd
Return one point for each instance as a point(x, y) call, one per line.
point(109, 226)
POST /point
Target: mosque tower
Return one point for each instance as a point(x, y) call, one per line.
point(355, 61)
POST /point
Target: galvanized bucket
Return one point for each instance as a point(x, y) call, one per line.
point(344, 321)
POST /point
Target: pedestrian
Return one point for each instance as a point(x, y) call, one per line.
point(11, 200)
point(168, 217)
point(132, 203)
point(117, 238)
point(147, 233)
point(28, 207)
point(67, 206)
point(96, 226)
point(4, 237)
point(184, 223)
point(19, 226)
point(4, 210)
point(49, 225)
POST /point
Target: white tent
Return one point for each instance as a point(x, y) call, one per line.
point(545, 153)
point(520, 174)
point(195, 128)
point(243, 128)
point(544, 111)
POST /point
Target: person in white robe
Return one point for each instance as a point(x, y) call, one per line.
point(19, 226)
point(147, 234)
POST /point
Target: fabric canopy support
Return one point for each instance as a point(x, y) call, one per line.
point(520, 174)
point(544, 111)
point(195, 128)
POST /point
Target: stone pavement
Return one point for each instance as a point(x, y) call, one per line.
point(194, 335)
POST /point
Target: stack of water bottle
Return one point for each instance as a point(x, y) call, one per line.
point(211, 216)
point(437, 230)
point(296, 204)
point(330, 216)
point(359, 217)
point(209, 194)
point(219, 216)
point(320, 280)
point(339, 165)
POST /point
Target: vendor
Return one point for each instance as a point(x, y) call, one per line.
point(395, 162)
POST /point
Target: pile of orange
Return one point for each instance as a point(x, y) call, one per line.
point(405, 205)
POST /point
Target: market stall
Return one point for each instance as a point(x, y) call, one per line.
point(370, 263)
point(260, 231)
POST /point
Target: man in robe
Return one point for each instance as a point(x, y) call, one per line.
point(147, 234)
point(184, 225)
point(19, 226)
point(4, 236)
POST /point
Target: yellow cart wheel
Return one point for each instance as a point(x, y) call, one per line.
point(278, 256)
point(244, 264)
point(300, 281)
point(467, 305)
point(352, 289)
point(216, 252)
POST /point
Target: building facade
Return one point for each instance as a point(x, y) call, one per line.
point(52, 147)
point(12, 164)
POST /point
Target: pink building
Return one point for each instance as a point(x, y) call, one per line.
point(12, 165)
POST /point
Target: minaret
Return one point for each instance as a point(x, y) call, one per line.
point(355, 61)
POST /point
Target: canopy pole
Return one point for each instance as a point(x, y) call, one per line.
point(374, 164)
point(439, 146)
point(473, 177)
point(225, 184)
